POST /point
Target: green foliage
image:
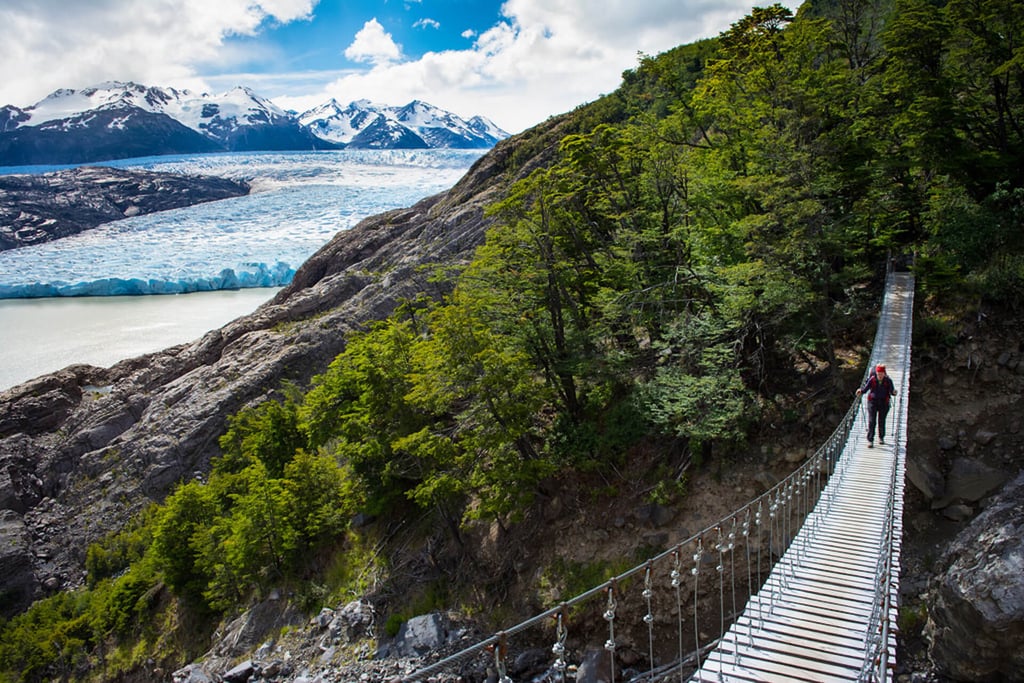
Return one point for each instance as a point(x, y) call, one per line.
point(358, 410)
point(935, 332)
point(563, 579)
point(38, 643)
point(268, 433)
point(55, 638)
point(1002, 281)
point(669, 245)
point(186, 514)
point(961, 229)
point(698, 394)
point(912, 618)
point(669, 487)
point(116, 553)
point(128, 601)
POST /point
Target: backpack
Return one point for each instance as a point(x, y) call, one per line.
point(874, 384)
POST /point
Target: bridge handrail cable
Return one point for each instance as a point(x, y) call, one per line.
point(823, 461)
point(818, 468)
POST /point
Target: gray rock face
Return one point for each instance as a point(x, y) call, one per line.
point(419, 636)
point(976, 619)
point(86, 448)
point(970, 480)
point(40, 208)
point(926, 477)
point(20, 582)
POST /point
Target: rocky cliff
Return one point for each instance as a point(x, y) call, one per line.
point(40, 208)
point(83, 449)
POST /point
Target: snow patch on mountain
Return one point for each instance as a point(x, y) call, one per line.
point(361, 123)
point(366, 124)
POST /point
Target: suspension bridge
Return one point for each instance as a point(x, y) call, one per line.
point(800, 584)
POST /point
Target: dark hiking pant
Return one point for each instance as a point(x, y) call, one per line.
point(876, 415)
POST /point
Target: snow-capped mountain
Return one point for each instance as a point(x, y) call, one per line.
point(118, 120)
point(364, 124)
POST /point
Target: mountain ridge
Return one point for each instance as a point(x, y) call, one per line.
point(116, 120)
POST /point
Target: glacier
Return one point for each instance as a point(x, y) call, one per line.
point(299, 201)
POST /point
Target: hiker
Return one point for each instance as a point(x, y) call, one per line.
point(880, 389)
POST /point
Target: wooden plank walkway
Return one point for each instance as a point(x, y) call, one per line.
point(809, 622)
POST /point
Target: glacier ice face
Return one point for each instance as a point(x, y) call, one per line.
point(299, 201)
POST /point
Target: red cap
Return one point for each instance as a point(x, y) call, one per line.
point(879, 368)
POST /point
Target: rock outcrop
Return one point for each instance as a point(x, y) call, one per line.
point(84, 449)
point(40, 208)
point(976, 617)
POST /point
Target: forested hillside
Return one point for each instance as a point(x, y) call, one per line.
point(720, 221)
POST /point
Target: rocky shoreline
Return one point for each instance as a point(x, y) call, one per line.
point(40, 208)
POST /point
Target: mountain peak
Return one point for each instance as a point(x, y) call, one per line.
point(367, 124)
point(234, 120)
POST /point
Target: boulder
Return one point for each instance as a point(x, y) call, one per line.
point(240, 673)
point(252, 627)
point(925, 477)
point(595, 667)
point(976, 618)
point(193, 673)
point(971, 480)
point(353, 621)
point(420, 635)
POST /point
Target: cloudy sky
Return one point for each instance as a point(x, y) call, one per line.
point(516, 62)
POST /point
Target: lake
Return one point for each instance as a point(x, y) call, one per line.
point(38, 336)
point(299, 201)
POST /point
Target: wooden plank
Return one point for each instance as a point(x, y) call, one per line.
point(789, 629)
point(856, 559)
point(832, 571)
point(820, 600)
point(808, 590)
point(771, 645)
point(783, 663)
point(820, 587)
point(816, 621)
point(822, 615)
point(826, 574)
point(726, 671)
point(751, 634)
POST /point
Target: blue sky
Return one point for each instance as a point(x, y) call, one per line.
point(516, 62)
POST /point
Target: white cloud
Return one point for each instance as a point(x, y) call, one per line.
point(427, 23)
point(50, 44)
point(548, 57)
point(544, 58)
point(373, 45)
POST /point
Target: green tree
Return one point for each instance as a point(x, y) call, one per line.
point(984, 64)
point(358, 409)
point(262, 540)
point(186, 513)
point(483, 382)
point(321, 497)
point(268, 432)
point(698, 393)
